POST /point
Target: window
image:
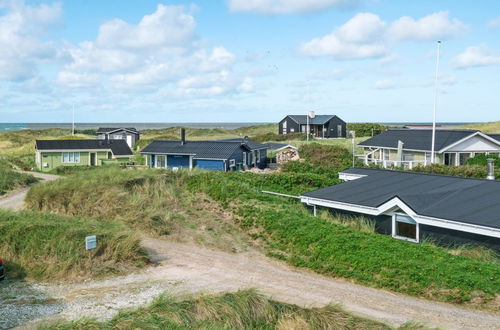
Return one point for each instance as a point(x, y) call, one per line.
point(408, 156)
point(118, 137)
point(232, 162)
point(70, 157)
point(463, 157)
point(160, 161)
point(292, 130)
point(450, 158)
point(339, 130)
point(387, 154)
point(303, 128)
point(258, 155)
point(404, 227)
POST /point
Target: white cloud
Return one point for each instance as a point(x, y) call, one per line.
point(384, 84)
point(494, 23)
point(21, 44)
point(431, 27)
point(367, 36)
point(161, 51)
point(286, 6)
point(476, 56)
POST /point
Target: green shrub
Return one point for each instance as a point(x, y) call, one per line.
point(268, 137)
point(50, 247)
point(466, 171)
point(481, 159)
point(366, 129)
point(10, 179)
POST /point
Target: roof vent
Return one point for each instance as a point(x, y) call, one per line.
point(491, 169)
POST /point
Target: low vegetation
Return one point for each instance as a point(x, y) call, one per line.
point(291, 233)
point(366, 129)
point(153, 201)
point(49, 247)
point(466, 171)
point(241, 310)
point(488, 127)
point(10, 179)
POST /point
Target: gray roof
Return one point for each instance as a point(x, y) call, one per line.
point(317, 120)
point(118, 147)
point(200, 149)
point(276, 146)
point(417, 139)
point(251, 144)
point(495, 136)
point(112, 129)
point(473, 201)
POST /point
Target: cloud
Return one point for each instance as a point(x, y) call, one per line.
point(287, 6)
point(161, 51)
point(431, 27)
point(475, 56)
point(494, 23)
point(384, 84)
point(336, 74)
point(367, 36)
point(22, 29)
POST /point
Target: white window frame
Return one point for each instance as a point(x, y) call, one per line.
point(257, 152)
point(157, 161)
point(118, 137)
point(417, 231)
point(245, 158)
point(292, 130)
point(232, 162)
point(70, 157)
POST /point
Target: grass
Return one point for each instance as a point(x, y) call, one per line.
point(10, 179)
point(153, 201)
point(49, 247)
point(241, 310)
point(488, 127)
point(291, 233)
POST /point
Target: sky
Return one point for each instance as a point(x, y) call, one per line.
point(248, 60)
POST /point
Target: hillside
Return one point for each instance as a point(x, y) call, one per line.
point(488, 127)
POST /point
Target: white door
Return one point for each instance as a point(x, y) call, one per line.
point(129, 140)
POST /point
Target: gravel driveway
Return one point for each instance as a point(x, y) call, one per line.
point(186, 269)
point(15, 199)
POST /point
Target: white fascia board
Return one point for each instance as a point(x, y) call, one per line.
point(166, 153)
point(489, 138)
point(350, 176)
point(388, 206)
point(406, 149)
point(74, 150)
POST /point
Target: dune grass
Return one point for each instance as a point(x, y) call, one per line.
point(10, 179)
point(488, 127)
point(241, 310)
point(49, 247)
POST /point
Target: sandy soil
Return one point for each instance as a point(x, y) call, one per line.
point(186, 269)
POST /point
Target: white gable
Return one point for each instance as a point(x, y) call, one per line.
point(476, 143)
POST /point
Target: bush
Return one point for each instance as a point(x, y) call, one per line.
point(49, 247)
point(366, 129)
point(267, 137)
point(481, 159)
point(466, 171)
point(10, 179)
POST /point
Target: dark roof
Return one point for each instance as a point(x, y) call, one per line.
point(318, 120)
point(118, 147)
point(495, 136)
point(251, 144)
point(112, 129)
point(473, 201)
point(200, 149)
point(276, 146)
point(417, 139)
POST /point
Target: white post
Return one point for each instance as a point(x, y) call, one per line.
point(307, 128)
point(73, 122)
point(314, 208)
point(435, 104)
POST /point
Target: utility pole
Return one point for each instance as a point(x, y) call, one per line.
point(433, 156)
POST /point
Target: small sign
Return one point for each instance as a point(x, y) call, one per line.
point(90, 242)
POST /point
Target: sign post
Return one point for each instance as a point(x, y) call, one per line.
point(90, 242)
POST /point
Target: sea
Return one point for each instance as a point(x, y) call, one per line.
point(9, 127)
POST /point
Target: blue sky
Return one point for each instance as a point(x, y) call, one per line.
point(241, 60)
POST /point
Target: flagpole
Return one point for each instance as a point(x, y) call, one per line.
point(433, 157)
point(73, 121)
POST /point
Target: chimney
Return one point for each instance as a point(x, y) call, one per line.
point(183, 136)
point(491, 169)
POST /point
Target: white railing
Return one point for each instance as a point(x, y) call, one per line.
point(392, 163)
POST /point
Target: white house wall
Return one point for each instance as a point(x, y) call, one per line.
point(476, 144)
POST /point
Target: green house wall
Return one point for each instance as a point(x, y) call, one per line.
point(54, 159)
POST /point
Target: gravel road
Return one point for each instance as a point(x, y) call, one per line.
point(15, 199)
point(185, 269)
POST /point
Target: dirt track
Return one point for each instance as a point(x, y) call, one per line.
point(15, 199)
point(186, 269)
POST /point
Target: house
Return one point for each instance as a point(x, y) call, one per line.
point(413, 206)
point(409, 147)
point(222, 155)
point(274, 146)
point(129, 134)
point(54, 153)
point(321, 126)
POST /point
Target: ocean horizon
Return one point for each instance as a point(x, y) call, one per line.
point(10, 127)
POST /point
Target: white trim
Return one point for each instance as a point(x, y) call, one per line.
point(381, 147)
point(166, 153)
point(350, 176)
point(395, 203)
point(468, 137)
point(118, 129)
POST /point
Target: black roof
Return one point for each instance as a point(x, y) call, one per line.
point(417, 139)
point(199, 149)
point(474, 201)
point(317, 120)
point(251, 144)
point(118, 147)
point(112, 129)
point(495, 136)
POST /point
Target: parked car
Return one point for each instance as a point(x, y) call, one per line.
point(2, 275)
